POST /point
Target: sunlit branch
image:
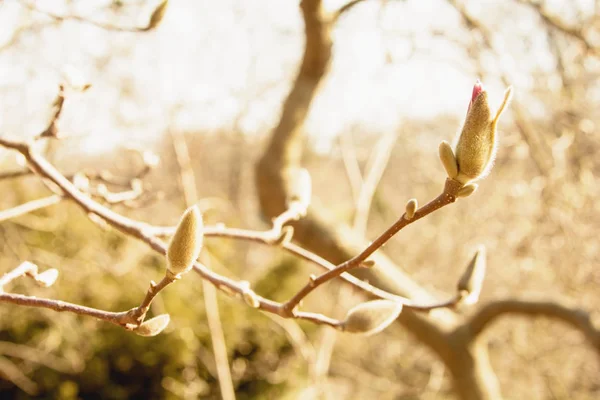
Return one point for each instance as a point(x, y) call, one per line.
point(30, 206)
point(447, 197)
point(145, 233)
point(130, 319)
point(573, 316)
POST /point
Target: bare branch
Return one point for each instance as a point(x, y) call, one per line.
point(345, 8)
point(129, 319)
point(22, 270)
point(152, 23)
point(571, 315)
point(375, 168)
point(447, 197)
point(15, 174)
point(51, 130)
point(30, 206)
point(61, 306)
point(351, 166)
point(554, 21)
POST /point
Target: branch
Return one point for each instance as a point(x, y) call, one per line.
point(30, 206)
point(154, 20)
point(267, 238)
point(130, 320)
point(376, 166)
point(555, 22)
point(146, 233)
point(345, 8)
point(574, 316)
point(51, 130)
point(15, 174)
point(447, 197)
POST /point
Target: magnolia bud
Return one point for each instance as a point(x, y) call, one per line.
point(411, 207)
point(467, 190)
point(251, 298)
point(371, 317)
point(471, 281)
point(448, 159)
point(47, 278)
point(186, 243)
point(476, 145)
point(153, 326)
point(367, 264)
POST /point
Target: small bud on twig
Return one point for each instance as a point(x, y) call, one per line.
point(367, 264)
point(471, 281)
point(47, 278)
point(411, 207)
point(448, 159)
point(250, 298)
point(476, 145)
point(153, 326)
point(186, 243)
point(467, 190)
point(371, 317)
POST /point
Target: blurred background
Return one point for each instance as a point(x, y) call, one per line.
point(398, 81)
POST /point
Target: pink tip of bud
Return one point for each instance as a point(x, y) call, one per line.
point(477, 90)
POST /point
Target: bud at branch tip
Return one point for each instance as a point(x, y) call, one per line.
point(186, 243)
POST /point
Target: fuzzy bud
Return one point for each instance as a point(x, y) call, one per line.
point(153, 326)
point(467, 190)
point(186, 243)
point(448, 159)
point(371, 317)
point(411, 207)
point(476, 146)
point(367, 264)
point(250, 298)
point(47, 278)
point(471, 281)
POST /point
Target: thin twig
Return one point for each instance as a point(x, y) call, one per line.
point(61, 306)
point(146, 233)
point(30, 206)
point(351, 166)
point(447, 197)
point(15, 174)
point(78, 18)
point(571, 315)
point(51, 130)
point(22, 270)
point(376, 165)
